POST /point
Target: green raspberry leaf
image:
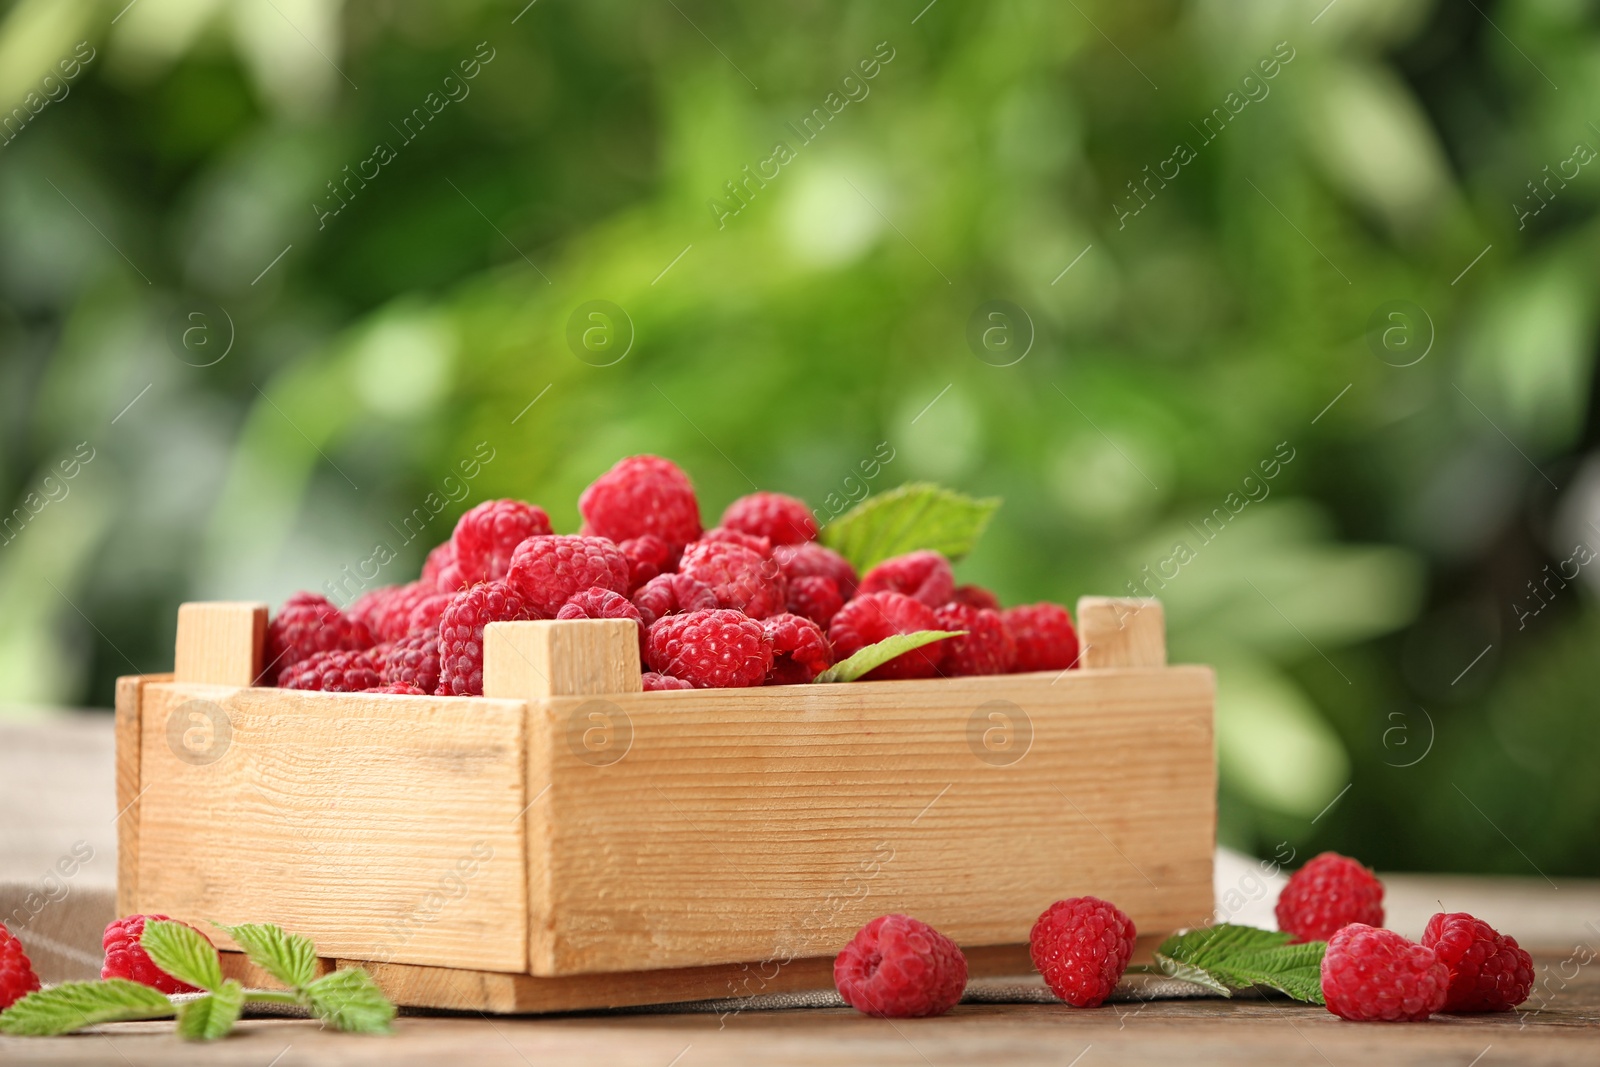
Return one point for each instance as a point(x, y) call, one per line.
point(289, 958)
point(1238, 957)
point(213, 1015)
point(875, 656)
point(350, 1000)
point(914, 516)
point(71, 1006)
point(183, 952)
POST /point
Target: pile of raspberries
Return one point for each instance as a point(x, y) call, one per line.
point(753, 601)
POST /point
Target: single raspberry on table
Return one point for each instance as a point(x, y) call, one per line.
point(800, 650)
point(1488, 970)
point(811, 560)
point(717, 649)
point(598, 603)
point(781, 519)
point(922, 574)
point(126, 957)
point(461, 633)
point(897, 967)
point(739, 577)
point(400, 689)
point(647, 556)
point(1044, 635)
point(440, 556)
point(642, 495)
point(413, 660)
point(1082, 945)
point(17, 977)
point(546, 571)
point(484, 539)
point(1373, 975)
point(656, 682)
point(1329, 892)
point(815, 597)
point(986, 648)
point(672, 594)
point(333, 672)
point(308, 624)
point(975, 596)
point(871, 617)
point(761, 546)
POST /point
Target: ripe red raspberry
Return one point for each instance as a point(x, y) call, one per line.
point(546, 571)
point(484, 539)
point(388, 612)
point(718, 649)
point(761, 546)
point(897, 967)
point(816, 598)
point(1327, 893)
point(871, 617)
point(308, 624)
point(987, 647)
point(413, 660)
point(461, 633)
point(672, 594)
point(739, 578)
point(433, 568)
point(642, 495)
point(17, 977)
point(922, 574)
point(333, 672)
point(783, 520)
point(800, 652)
point(126, 957)
point(400, 689)
point(647, 556)
point(656, 682)
point(1488, 970)
point(597, 603)
point(1371, 975)
point(1044, 636)
point(1082, 946)
point(811, 560)
point(975, 596)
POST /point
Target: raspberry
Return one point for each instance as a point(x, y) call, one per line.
point(783, 520)
point(647, 556)
point(439, 557)
point(718, 649)
point(333, 672)
point(815, 597)
point(1327, 893)
point(308, 624)
point(800, 652)
point(897, 967)
point(17, 978)
point(1082, 946)
point(387, 612)
point(739, 577)
point(1371, 975)
point(656, 682)
point(1488, 970)
point(987, 647)
point(922, 574)
point(413, 660)
point(975, 596)
point(761, 546)
point(461, 633)
point(402, 689)
point(672, 594)
point(871, 617)
point(642, 495)
point(1044, 637)
point(126, 958)
point(546, 571)
point(484, 539)
point(597, 603)
point(813, 560)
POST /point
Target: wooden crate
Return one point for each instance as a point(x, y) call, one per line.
point(569, 841)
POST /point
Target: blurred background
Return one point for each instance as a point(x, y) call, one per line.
point(1283, 312)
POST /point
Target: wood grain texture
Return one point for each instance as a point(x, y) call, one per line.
point(721, 826)
point(382, 827)
point(1121, 632)
point(546, 658)
point(220, 642)
point(127, 770)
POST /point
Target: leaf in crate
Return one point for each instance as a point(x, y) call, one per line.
point(183, 952)
point(875, 656)
point(350, 1000)
point(1238, 957)
point(69, 1006)
point(213, 1015)
point(289, 958)
point(916, 515)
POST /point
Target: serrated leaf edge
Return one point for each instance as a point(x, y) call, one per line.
point(869, 659)
point(172, 940)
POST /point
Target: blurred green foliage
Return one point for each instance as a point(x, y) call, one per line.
point(1367, 603)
